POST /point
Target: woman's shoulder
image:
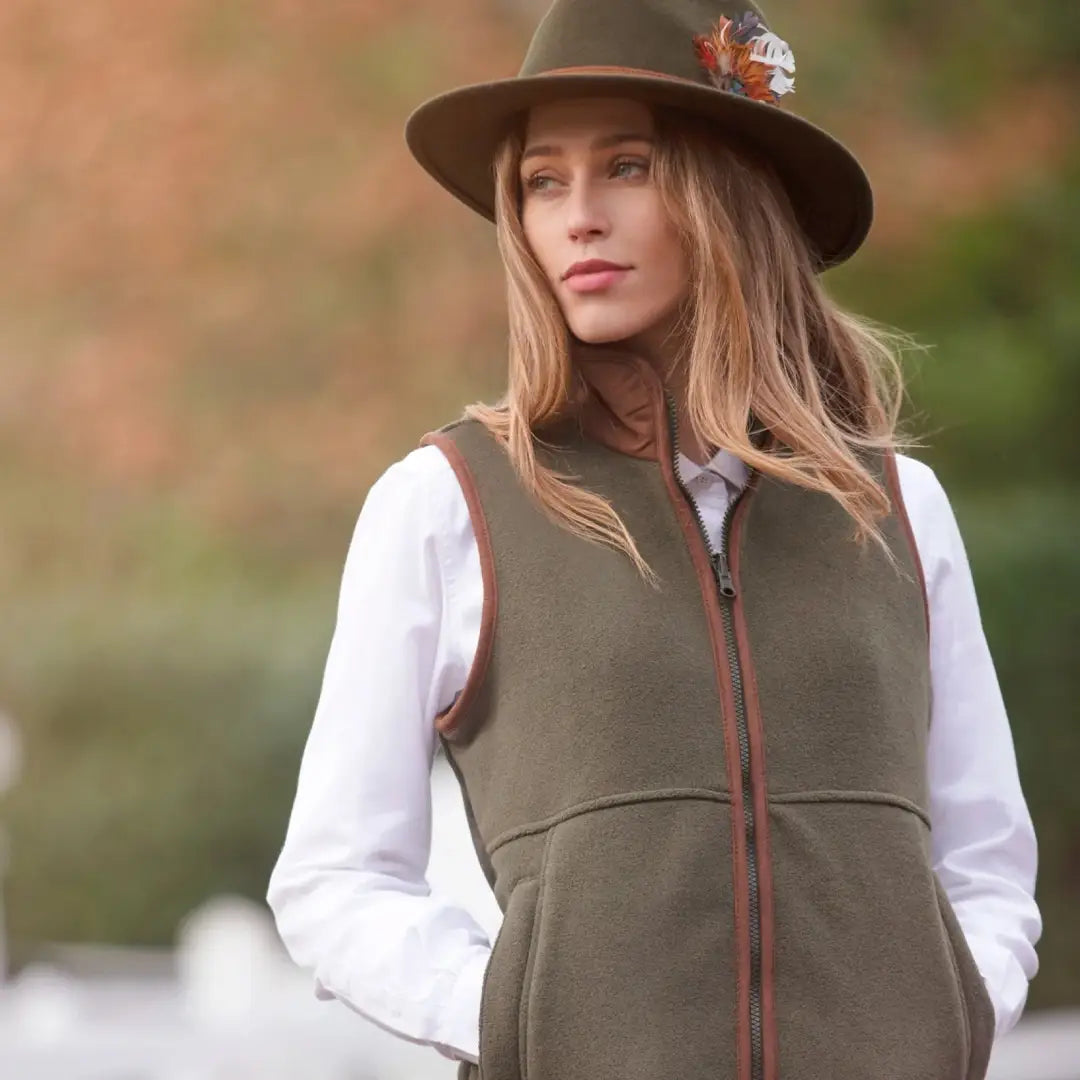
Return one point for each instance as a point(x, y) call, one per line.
point(920, 487)
point(425, 464)
point(933, 520)
point(424, 480)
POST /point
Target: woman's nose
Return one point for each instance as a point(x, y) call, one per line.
point(586, 218)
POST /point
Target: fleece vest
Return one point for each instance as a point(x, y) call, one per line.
point(703, 808)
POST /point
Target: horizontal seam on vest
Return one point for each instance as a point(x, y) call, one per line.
point(882, 798)
point(604, 802)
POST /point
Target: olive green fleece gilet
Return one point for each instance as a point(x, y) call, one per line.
point(709, 870)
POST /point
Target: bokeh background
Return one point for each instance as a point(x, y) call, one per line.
point(229, 299)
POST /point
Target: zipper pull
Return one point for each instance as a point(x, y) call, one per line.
point(723, 574)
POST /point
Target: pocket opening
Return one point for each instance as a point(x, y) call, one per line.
point(501, 989)
point(974, 998)
point(965, 1014)
point(530, 959)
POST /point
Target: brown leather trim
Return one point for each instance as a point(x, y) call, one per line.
point(447, 722)
point(756, 733)
point(892, 477)
point(740, 874)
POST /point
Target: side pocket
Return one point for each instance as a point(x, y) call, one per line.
point(978, 1008)
point(528, 977)
point(500, 995)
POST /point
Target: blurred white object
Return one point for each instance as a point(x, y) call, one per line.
point(45, 1005)
point(1043, 1046)
point(228, 961)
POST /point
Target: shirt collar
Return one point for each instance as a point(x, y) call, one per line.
point(723, 463)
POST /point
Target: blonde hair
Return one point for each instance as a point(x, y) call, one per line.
point(758, 323)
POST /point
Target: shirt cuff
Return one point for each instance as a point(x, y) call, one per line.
point(1005, 981)
point(460, 1022)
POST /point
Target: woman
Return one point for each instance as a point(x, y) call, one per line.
point(701, 646)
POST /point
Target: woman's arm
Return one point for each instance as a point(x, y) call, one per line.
point(983, 843)
point(349, 892)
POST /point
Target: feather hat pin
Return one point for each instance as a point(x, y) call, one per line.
point(745, 57)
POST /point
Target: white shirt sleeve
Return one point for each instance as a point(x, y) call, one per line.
point(349, 892)
point(982, 840)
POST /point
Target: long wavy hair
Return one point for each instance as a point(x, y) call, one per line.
point(757, 336)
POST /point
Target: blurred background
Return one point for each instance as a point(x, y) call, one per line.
point(229, 299)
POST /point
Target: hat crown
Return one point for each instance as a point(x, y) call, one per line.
point(646, 35)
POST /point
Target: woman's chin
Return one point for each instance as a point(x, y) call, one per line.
point(604, 331)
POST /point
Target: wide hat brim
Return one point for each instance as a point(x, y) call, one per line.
point(455, 134)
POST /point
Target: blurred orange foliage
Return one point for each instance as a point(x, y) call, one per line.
point(223, 277)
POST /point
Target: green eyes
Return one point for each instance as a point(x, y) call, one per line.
point(620, 168)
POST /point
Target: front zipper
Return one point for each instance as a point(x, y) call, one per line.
point(726, 587)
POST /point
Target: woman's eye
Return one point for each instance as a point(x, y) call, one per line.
point(536, 182)
point(540, 181)
point(629, 163)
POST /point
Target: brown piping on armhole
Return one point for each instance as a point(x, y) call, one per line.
point(447, 722)
point(893, 478)
point(756, 732)
point(740, 874)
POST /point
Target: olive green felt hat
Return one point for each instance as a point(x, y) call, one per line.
point(714, 58)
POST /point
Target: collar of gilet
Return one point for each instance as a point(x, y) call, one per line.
point(624, 405)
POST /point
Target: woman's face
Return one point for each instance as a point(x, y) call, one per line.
point(587, 194)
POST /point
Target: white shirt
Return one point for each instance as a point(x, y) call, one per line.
point(349, 891)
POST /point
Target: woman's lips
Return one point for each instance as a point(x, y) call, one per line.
point(595, 280)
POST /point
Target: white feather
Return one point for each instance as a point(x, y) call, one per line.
point(772, 50)
point(779, 83)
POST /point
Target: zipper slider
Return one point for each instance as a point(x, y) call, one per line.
point(723, 573)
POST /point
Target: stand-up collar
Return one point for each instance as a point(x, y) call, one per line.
point(625, 408)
